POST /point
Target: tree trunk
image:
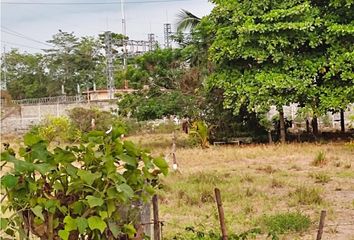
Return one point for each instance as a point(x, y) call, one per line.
point(282, 126)
point(342, 123)
point(308, 130)
point(270, 137)
point(315, 126)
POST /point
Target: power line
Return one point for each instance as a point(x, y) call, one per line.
point(90, 3)
point(14, 33)
point(20, 45)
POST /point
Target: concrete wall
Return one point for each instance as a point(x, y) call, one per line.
point(26, 116)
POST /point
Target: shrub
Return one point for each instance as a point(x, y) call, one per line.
point(320, 159)
point(306, 196)
point(286, 222)
point(82, 119)
point(56, 129)
point(78, 192)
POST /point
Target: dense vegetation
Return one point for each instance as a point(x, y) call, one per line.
point(237, 62)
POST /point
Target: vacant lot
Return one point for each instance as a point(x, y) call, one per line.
point(256, 182)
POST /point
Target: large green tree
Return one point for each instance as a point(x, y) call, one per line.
point(275, 53)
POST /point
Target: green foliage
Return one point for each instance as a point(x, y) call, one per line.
point(285, 222)
point(56, 129)
point(199, 132)
point(82, 119)
point(77, 191)
point(195, 234)
point(156, 104)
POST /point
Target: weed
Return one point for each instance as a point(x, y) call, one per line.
point(205, 178)
point(286, 222)
point(320, 177)
point(306, 196)
point(320, 159)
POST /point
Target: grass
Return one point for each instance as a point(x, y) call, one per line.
point(320, 159)
point(306, 195)
point(281, 223)
point(320, 177)
point(255, 181)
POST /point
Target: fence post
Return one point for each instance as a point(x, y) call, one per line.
point(174, 160)
point(155, 208)
point(221, 213)
point(321, 225)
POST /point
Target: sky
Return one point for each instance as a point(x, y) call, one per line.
point(37, 23)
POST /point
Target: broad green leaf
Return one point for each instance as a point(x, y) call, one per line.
point(3, 223)
point(71, 170)
point(94, 201)
point(37, 210)
point(113, 227)
point(161, 164)
point(31, 139)
point(95, 222)
point(111, 207)
point(62, 155)
point(103, 214)
point(81, 224)
point(9, 181)
point(77, 207)
point(44, 168)
point(70, 223)
point(64, 234)
point(88, 177)
point(126, 189)
point(128, 159)
point(131, 148)
point(129, 229)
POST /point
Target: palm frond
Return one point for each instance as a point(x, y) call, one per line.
point(186, 20)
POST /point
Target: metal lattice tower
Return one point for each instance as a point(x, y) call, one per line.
point(167, 34)
point(109, 59)
point(151, 40)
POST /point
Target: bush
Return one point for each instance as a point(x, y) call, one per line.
point(56, 129)
point(286, 222)
point(82, 119)
point(77, 192)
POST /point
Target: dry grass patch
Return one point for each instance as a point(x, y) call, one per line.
point(306, 195)
point(320, 159)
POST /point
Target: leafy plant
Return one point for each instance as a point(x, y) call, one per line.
point(199, 133)
point(89, 191)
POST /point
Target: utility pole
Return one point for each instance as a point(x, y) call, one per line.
point(167, 34)
point(4, 72)
point(109, 59)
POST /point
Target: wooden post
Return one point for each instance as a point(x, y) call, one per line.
point(321, 225)
point(221, 213)
point(174, 160)
point(155, 208)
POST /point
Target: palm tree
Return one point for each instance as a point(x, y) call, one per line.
point(186, 20)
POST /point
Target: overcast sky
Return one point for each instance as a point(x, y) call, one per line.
point(41, 21)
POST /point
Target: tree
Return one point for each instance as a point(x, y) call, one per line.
point(60, 61)
point(269, 53)
point(186, 20)
point(26, 77)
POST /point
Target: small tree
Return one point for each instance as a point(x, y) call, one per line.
point(89, 191)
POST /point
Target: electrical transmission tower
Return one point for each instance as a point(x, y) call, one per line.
point(109, 58)
point(152, 42)
point(167, 34)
